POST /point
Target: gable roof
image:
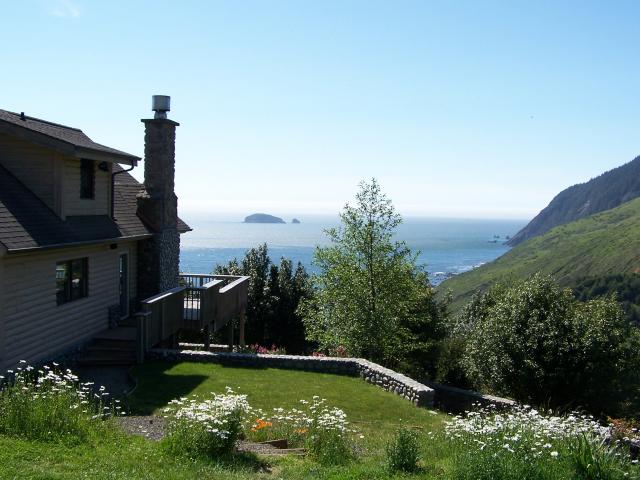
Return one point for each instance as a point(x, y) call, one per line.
point(126, 188)
point(69, 140)
point(27, 223)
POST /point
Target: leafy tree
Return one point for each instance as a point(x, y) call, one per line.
point(535, 342)
point(273, 297)
point(626, 287)
point(370, 296)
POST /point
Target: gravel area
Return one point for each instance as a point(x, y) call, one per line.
point(150, 427)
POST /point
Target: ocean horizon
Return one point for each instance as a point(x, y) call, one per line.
point(446, 246)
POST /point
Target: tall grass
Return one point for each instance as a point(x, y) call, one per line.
point(48, 403)
point(594, 458)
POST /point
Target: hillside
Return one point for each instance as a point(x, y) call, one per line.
point(607, 191)
point(607, 243)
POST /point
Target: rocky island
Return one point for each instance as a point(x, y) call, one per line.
point(295, 220)
point(263, 218)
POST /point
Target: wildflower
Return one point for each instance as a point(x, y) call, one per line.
point(554, 454)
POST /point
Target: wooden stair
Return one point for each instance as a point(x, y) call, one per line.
point(112, 347)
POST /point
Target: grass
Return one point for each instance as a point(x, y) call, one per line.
point(603, 244)
point(375, 413)
point(378, 415)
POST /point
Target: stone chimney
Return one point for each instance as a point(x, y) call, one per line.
point(158, 257)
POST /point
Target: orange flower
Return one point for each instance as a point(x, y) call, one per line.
point(301, 431)
point(260, 424)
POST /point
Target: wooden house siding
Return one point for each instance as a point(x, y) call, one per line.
point(73, 204)
point(2, 295)
point(36, 167)
point(35, 327)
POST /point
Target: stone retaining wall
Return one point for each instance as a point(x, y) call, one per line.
point(417, 393)
point(458, 400)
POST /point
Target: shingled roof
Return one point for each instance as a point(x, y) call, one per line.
point(68, 140)
point(27, 223)
point(126, 189)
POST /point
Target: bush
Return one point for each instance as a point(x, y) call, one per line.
point(207, 428)
point(535, 342)
point(51, 404)
point(450, 369)
point(403, 451)
point(275, 290)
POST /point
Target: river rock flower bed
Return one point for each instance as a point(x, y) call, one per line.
point(213, 426)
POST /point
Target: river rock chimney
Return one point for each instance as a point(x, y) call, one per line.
point(158, 257)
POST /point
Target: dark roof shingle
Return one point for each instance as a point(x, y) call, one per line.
point(126, 189)
point(26, 222)
point(73, 137)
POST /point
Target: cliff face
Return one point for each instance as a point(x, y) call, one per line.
point(604, 192)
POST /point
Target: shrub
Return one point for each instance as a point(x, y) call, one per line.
point(205, 428)
point(50, 404)
point(403, 451)
point(535, 342)
point(328, 437)
point(275, 290)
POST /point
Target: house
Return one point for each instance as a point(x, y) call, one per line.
point(84, 246)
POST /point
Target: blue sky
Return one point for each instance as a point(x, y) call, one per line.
point(463, 109)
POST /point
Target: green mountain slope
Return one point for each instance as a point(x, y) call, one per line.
point(603, 244)
point(607, 191)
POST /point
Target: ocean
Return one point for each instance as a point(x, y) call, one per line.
point(447, 246)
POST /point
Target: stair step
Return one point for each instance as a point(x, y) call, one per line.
point(88, 360)
point(113, 343)
point(111, 348)
point(94, 362)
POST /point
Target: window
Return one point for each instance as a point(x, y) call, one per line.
point(87, 179)
point(71, 280)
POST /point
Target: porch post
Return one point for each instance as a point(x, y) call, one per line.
point(231, 335)
point(243, 318)
point(3, 333)
point(207, 337)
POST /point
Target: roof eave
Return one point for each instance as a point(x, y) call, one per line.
point(131, 238)
point(66, 148)
point(83, 152)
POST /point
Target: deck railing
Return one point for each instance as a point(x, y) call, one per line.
point(232, 299)
point(213, 300)
point(201, 302)
point(161, 317)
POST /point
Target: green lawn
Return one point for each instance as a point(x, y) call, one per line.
point(374, 412)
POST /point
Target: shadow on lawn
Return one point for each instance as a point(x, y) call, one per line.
point(156, 388)
point(244, 461)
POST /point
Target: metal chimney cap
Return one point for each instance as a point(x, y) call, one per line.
point(161, 104)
